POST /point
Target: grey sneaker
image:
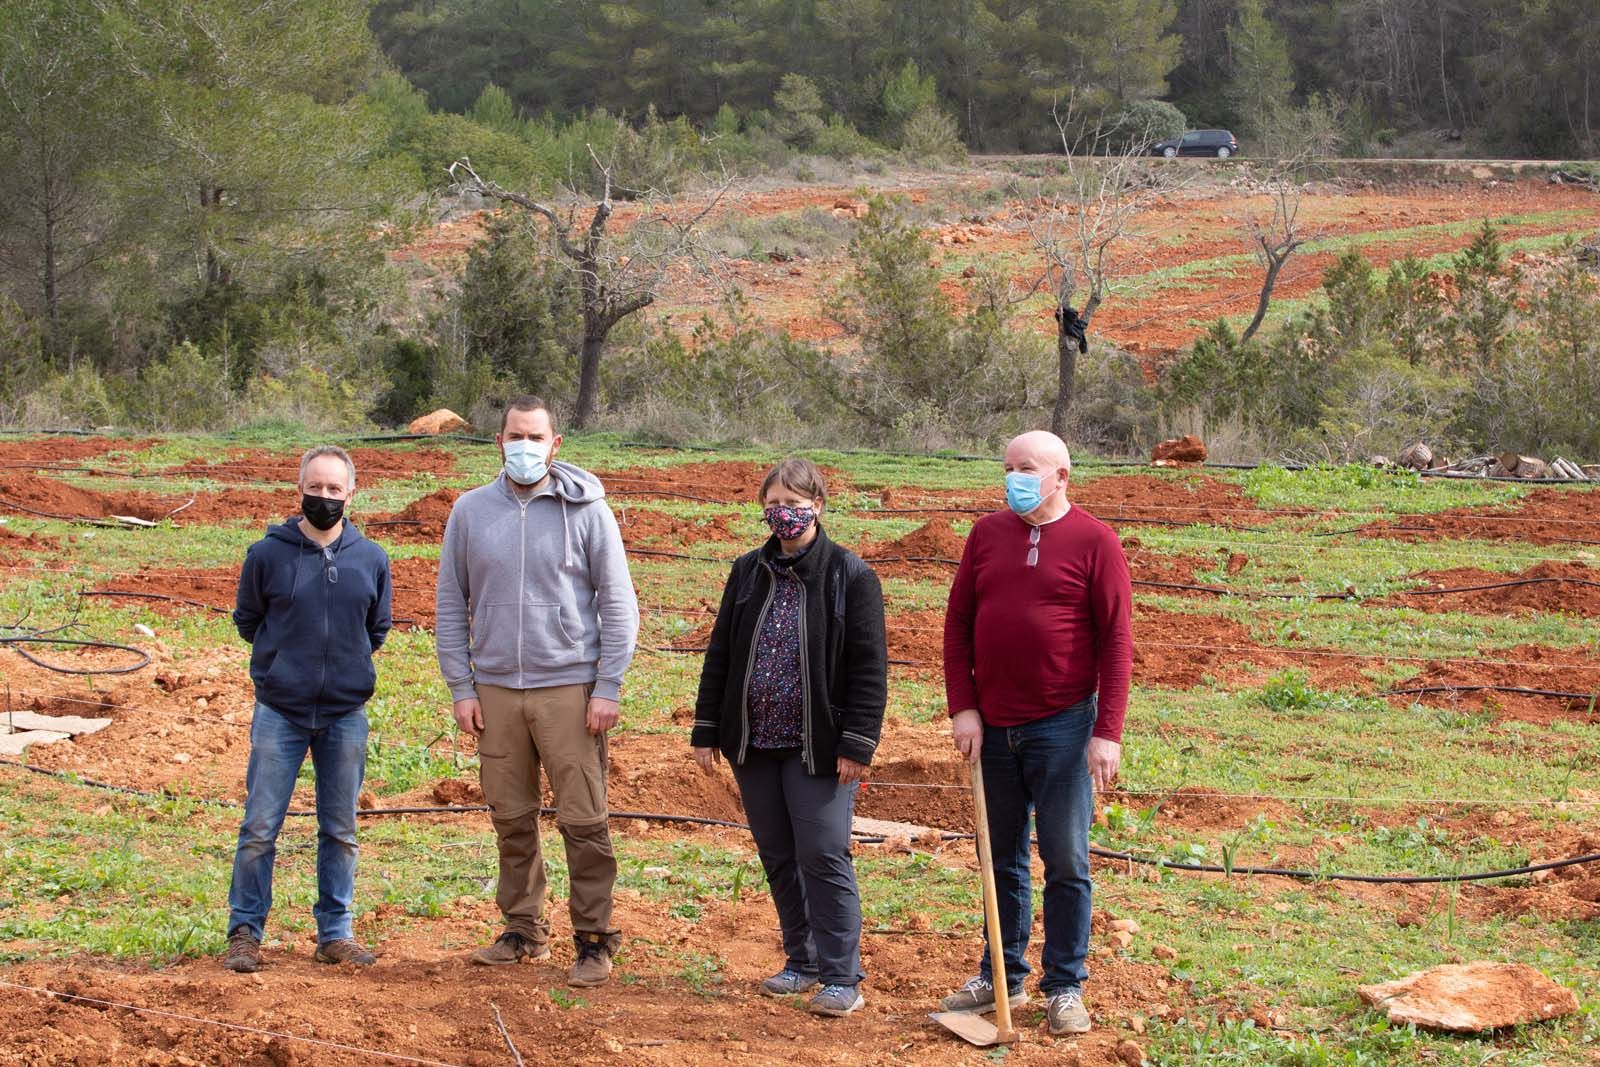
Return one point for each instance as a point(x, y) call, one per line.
point(1066, 1013)
point(788, 982)
point(836, 1000)
point(976, 997)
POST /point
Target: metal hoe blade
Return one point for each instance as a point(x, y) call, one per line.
point(973, 1028)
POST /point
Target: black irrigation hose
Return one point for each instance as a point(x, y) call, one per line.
point(1496, 585)
point(676, 555)
point(1516, 689)
point(7, 502)
point(426, 437)
point(878, 839)
point(1339, 876)
point(152, 596)
point(36, 639)
point(668, 493)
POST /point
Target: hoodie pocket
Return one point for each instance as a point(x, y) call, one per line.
point(545, 641)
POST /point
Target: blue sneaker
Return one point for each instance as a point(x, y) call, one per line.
point(837, 1000)
point(787, 983)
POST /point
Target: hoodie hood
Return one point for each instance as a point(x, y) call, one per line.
point(569, 485)
point(572, 484)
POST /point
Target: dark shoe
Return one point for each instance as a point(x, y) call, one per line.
point(511, 947)
point(1066, 1013)
point(788, 982)
point(976, 997)
point(244, 952)
point(344, 950)
point(836, 1000)
point(593, 965)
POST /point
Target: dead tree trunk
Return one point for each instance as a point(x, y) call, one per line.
point(1067, 365)
point(1275, 261)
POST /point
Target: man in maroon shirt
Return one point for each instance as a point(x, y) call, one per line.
point(1037, 656)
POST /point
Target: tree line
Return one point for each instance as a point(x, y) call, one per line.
point(1505, 76)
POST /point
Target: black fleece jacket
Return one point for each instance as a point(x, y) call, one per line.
point(846, 661)
point(312, 637)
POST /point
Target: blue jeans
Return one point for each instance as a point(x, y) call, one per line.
point(277, 749)
point(1039, 769)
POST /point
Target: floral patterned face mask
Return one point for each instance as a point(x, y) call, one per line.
point(790, 524)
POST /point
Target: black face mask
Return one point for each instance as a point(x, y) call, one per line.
point(322, 512)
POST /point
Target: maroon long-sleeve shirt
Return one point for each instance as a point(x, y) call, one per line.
point(1022, 643)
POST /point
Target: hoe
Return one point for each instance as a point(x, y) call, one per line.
point(971, 1027)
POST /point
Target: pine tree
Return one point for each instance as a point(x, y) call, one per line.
point(1262, 77)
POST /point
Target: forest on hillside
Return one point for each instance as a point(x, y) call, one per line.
point(1508, 76)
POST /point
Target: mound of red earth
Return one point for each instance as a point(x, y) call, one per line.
point(23, 494)
point(925, 553)
point(232, 505)
point(420, 522)
point(1196, 807)
point(1555, 588)
point(372, 465)
point(1540, 667)
point(1543, 517)
point(644, 526)
point(60, 449)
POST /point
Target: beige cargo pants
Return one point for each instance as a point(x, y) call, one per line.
point(523, 730)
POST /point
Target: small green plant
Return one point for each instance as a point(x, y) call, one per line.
point(564, 1000)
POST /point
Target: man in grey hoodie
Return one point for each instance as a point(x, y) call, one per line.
point(536, 623)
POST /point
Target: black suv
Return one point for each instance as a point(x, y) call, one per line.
point(1219, 143)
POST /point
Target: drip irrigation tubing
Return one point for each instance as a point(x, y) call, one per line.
point(945, 835)
point(1470, 688)
point(36, 638)
point(152, 596)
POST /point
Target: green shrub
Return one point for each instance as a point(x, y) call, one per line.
point(184, 390)
point(932, 136)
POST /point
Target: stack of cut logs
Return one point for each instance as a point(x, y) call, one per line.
point(1420, 457)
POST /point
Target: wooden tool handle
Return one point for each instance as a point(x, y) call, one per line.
point(991, 913)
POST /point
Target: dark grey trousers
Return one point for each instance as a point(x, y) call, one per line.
point(802, 829)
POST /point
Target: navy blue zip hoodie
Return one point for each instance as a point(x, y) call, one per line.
point(313, 637)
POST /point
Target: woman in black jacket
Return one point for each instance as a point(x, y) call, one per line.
point(792, 692)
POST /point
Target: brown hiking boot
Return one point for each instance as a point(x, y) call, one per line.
point(511, 947)
point(344, 950)
point(244, 952)
point(593, 965)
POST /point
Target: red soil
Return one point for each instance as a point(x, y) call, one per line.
point(1121, 499)
point(1527, 667)
point(642, 526)
point(36, 494)
point(44, 450)
point(1543, 517)
point(420, 522)
point(722, 481)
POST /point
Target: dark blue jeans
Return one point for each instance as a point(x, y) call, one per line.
point(277, 749)
point(1039, 769)
point(801, 824)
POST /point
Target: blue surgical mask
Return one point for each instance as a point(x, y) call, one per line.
point(526, 461)
point(1023, 492)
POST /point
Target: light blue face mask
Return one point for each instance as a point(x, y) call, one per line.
point(526, 461)
point(1023, 492)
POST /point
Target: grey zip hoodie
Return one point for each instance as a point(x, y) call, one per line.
point(535, 594)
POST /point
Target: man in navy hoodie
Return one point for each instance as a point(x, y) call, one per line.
point(314, 604)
